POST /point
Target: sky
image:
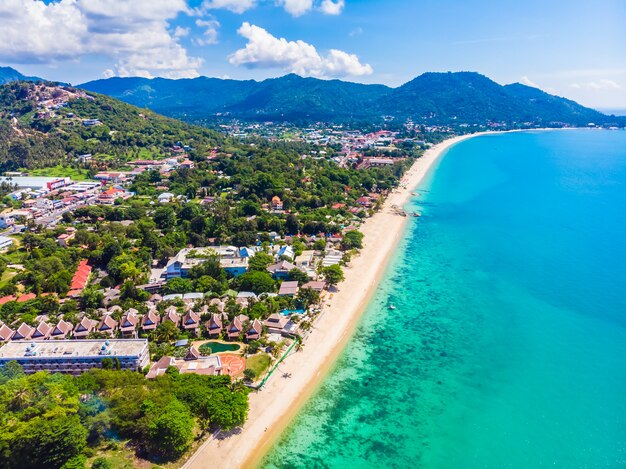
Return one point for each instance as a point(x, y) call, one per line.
point(573, 48)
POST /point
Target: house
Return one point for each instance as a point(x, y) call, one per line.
point(5, 333)
point(42, 331)
point(192, 354)
point(128, 324)
point(109, 196)
point(255, 330)
point(24, 332)
point(150, 321)
point(281, 270)
point(64, 238)
point(187, 163)
point(191, 322)
point(318, 286)
point(288, 288)
point(214, 325)
point(286, 251)
point(61, 330)
point(85, 327)
point(107, 325)
point(165, 197)
point(276, 323)
point(236, 327)
point(172, 315)
point(276, 203)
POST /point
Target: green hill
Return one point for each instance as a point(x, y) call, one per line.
point(43, 124)
point(437, 98)
point(8, 74)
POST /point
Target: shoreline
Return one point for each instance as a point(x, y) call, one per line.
point(273, 408)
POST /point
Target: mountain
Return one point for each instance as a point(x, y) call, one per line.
point(8, 74)
point(437, 98)
point(44, 124)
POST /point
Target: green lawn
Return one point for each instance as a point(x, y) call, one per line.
point(259, 363)
point(76, 174)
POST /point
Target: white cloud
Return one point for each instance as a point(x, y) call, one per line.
point(264, 50)
point(296, 7)
point(602, 84)
point(181, 32)
point(134, 34)
point(330, 7)
point(356, 32)
point(528, 82)
point(236, 6)
point(210, 32)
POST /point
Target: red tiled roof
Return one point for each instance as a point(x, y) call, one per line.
point(6, 299)
point(79, 281)
point(26, 297)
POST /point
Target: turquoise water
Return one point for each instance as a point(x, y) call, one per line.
point(507, 348)
point(218, 347)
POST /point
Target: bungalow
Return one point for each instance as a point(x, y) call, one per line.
point(255, 330)
point(288, 288)
point(85, 327)
point(172, 315)
point(128, 324)
point(192, 354)
point(186, 259)
point(24, 332)
point(305, 260)
point(275, 323)
point(61, 330)
point(165, 197)
point(236, 327)
point(214, 325)
point(281, 270)
point(42, 331)
point(5, 333)
point(318, 286)
point(150, 321)
point(107, 326)
point(191, 322)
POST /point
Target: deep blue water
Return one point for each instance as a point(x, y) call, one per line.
point(507, 347)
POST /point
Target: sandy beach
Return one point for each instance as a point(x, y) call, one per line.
point(272, 408)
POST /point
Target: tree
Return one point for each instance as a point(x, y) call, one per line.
point(166, 332)
point(47, 442)
point(178, 285)
point(91, 298)
point(308, 297)
point(333, 274)
point(165, 217)
point(101, 463)
point(255, 281)
point(299, 276)
point(260, 261)
point(170, 431)
point(352, 240)
point(249, 374)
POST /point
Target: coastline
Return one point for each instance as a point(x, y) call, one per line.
point(273, 408)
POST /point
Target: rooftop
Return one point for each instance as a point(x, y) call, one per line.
point(73, 348)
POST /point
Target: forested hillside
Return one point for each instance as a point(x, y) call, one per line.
point(44, 125)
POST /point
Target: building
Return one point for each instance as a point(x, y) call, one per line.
point(75, 356)
point(277, 204)
point(288, 288)
point(186, 259)
point(5, 242)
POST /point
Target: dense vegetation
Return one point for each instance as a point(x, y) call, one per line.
point(28, 140)
point(53, 420)
point(436, 98)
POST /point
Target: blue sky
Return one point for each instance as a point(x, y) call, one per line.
point(572, 48)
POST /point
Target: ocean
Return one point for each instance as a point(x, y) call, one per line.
point(507, 344)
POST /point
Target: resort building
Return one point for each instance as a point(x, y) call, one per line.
point(186, 259)
point(75, 356)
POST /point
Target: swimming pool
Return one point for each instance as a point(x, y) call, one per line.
point(218, 347)
point(287, 312)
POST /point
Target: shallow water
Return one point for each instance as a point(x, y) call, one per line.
point(507, 347)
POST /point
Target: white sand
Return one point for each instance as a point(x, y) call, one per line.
point(277, 403)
